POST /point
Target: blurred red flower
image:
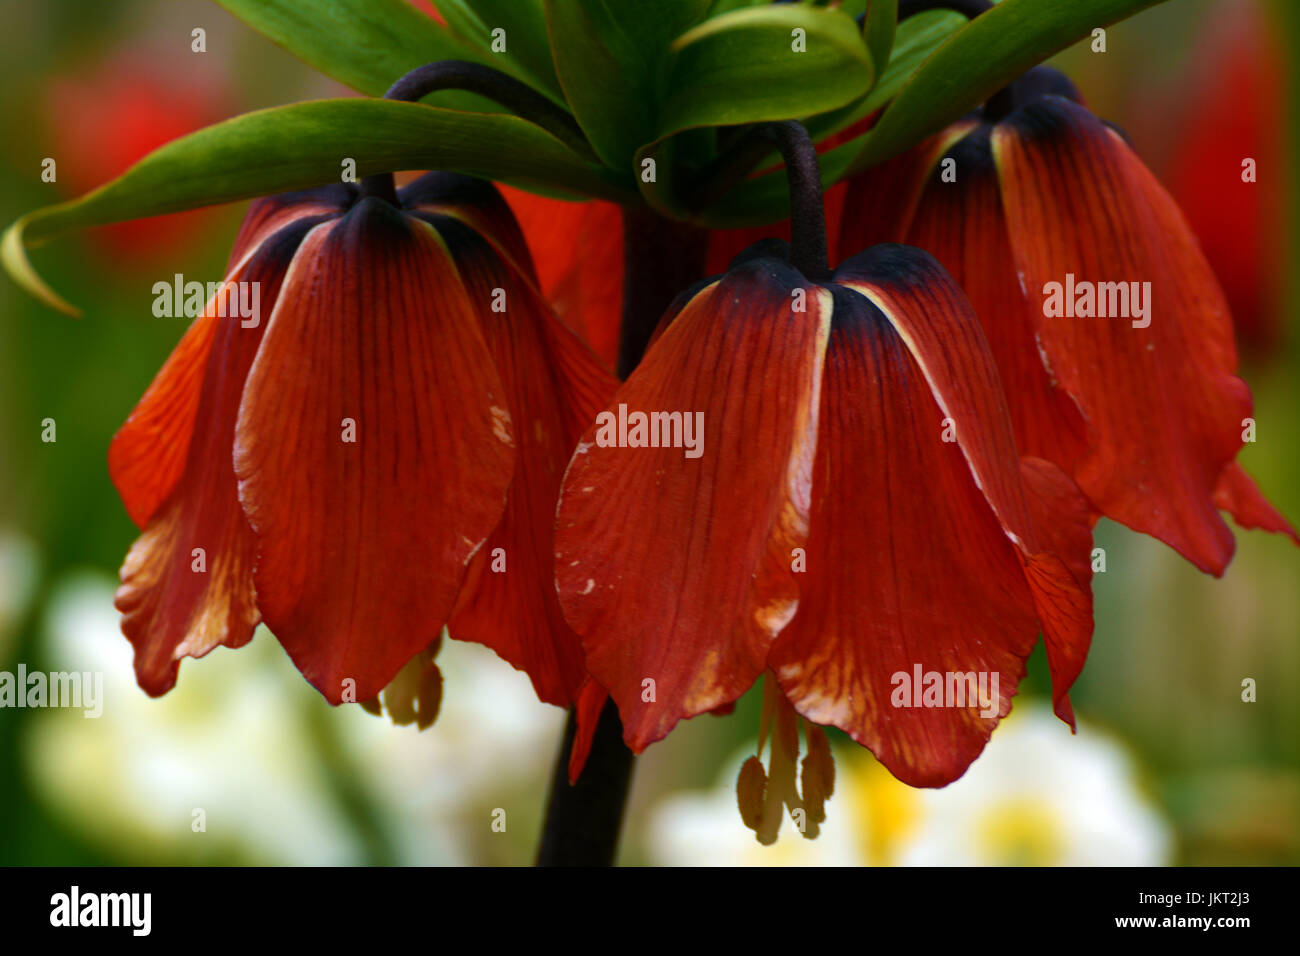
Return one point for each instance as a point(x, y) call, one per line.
point(111, 116)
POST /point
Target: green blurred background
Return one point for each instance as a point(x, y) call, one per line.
point(1170, 765)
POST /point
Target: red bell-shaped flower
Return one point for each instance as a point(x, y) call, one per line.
point(1111, 333)
point(820, 478)
point(400, 411)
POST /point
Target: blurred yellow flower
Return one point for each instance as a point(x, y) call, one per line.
point(1037, 796)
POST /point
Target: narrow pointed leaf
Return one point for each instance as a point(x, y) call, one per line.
point(746, 67)
point(610, 64)
point(366, 44)
point(981, 58)
point(303, 145)
point(719, 7)
point(526, 54)
point(878, 28)
point(915, 40)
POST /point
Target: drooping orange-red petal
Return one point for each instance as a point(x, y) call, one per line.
point(590, 703)
point(942, 333)
point(961, 224)
point(1237, 494)
point(554, 386)
point(1163, 406)
point(269, 214)
point(676, 570)
point(908, 570)
point(584, 386)
point(480, 205)
point(578, 251)
point(187, 583)
point(878, 204)
point(373, 449)
point(148, 453)
point(1063, 519)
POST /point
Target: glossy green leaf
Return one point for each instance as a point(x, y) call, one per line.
point(719, 7)
point(610, 59)
point(304, 145)
point(981, 58)
point(527, 53)
point(881, 18)
point(856, 8)
point(763, 199)
point(916, 39)
point(366, 44)
point(743, 67)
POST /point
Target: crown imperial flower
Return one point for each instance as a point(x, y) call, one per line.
point(1129, 383)
point(872, 486)
point(859, 417)
point(349, 463)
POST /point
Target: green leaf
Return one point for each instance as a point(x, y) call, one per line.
point(857, 8)
point(367, 44)
point(878, 29)
point(1043, 28)
point(719, 7)
point(800, 82)
point(742, 67)
point(980, 59)
point(527, 54)
point(917, 37)
point(610, 59)
point(304, 145)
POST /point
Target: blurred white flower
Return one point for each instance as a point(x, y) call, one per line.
point(237, 739)
point(1039, 796)
point(493, 745)
point(226, 741)
point(1036, 796)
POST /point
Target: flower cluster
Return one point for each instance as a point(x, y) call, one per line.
point(861, 462)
